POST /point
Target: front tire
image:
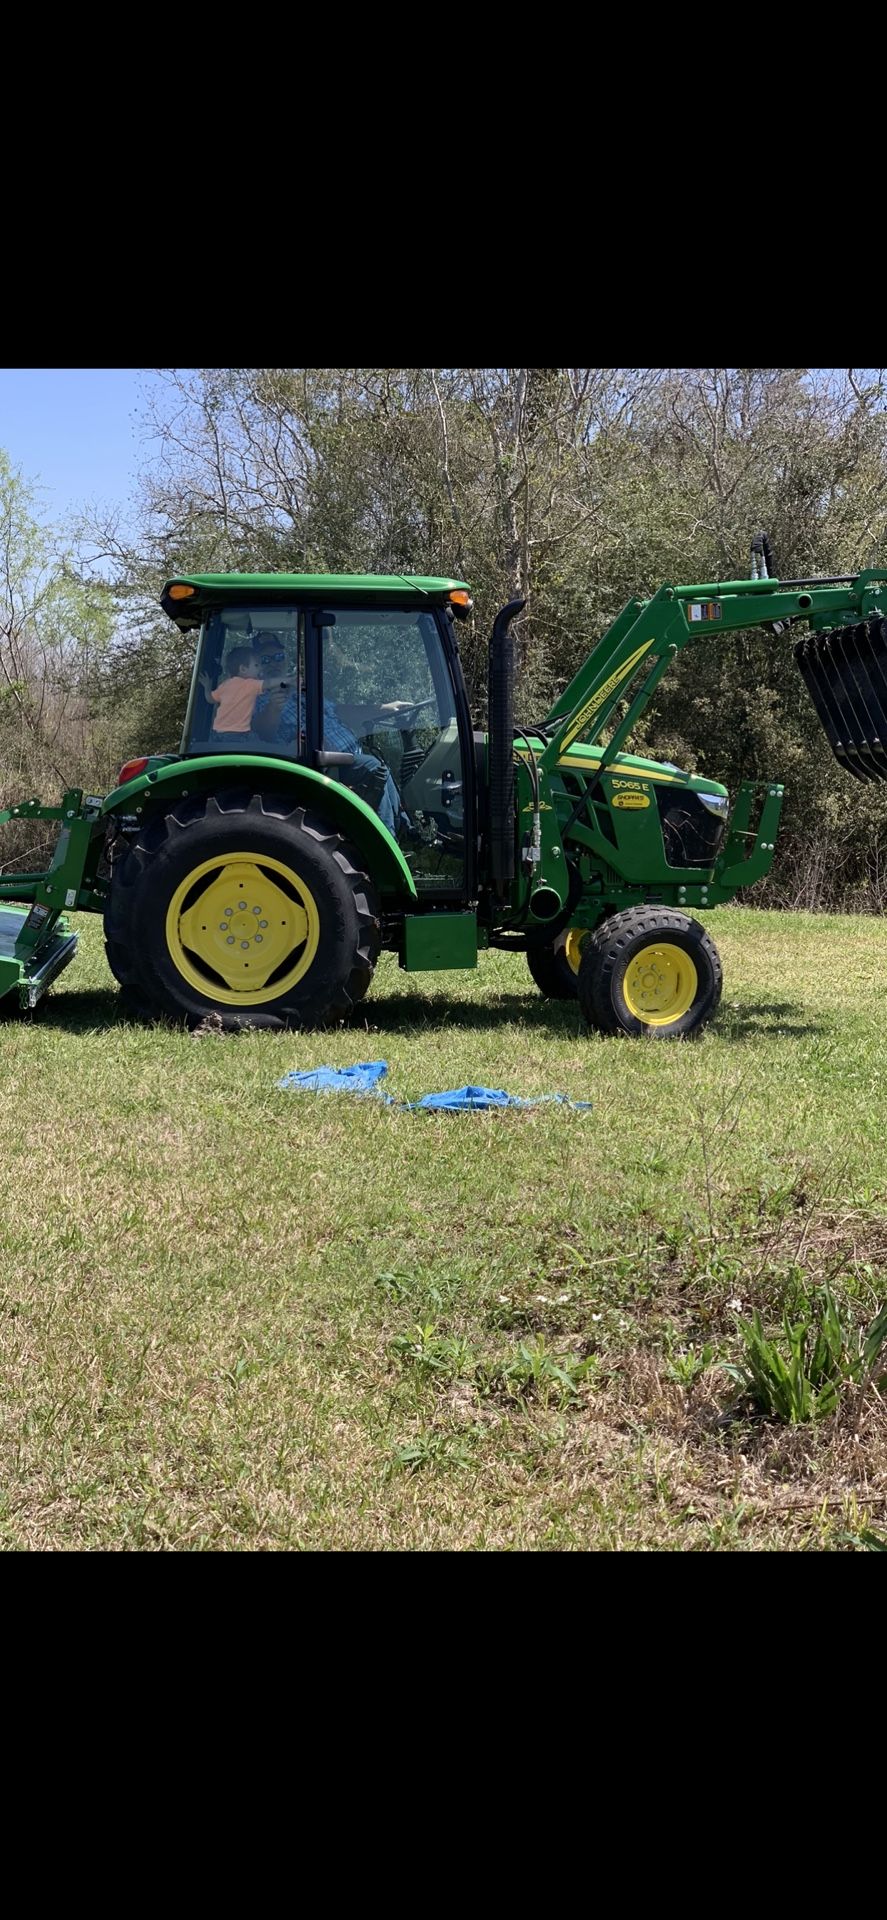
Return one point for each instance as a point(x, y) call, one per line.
point(650, 971)
point(555, 969)
point(248, 907)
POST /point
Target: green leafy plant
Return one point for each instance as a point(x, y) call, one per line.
point(533, 1370)
point(433, 1353)
point(821, 1356)
point(395, 1285)
point(686, 1365)
point(433, 1450)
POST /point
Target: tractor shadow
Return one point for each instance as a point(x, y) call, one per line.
point(747, 1022)
point(86, 1010)
point(81, 1010)
point(409, 1012)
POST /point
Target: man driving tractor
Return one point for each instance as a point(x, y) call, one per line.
point(275, 718)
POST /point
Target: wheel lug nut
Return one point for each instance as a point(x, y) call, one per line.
point(230, 940)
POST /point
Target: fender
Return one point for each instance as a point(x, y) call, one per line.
point(346, 811)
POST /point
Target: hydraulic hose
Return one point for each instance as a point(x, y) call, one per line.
point(763, 567)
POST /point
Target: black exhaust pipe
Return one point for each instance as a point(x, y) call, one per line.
point(500, 812)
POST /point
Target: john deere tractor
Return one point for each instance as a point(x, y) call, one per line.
point(332, 799)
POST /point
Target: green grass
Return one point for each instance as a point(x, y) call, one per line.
point(234, 1318)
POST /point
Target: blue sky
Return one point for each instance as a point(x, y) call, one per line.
point(74, 432)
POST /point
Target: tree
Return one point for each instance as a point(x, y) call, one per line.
point(572, 488)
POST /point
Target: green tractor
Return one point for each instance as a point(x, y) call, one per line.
point(332, 799)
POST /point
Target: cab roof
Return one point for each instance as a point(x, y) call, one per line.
point(215, 589)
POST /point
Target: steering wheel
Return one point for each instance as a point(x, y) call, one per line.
point(405, 716)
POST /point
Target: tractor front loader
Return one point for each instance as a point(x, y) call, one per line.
point(331, 799)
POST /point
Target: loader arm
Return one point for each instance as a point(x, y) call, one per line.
point(848, 682)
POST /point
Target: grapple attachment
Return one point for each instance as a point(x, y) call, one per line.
point(845, 673)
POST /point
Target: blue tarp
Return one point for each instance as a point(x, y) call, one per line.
point(481, 1097)
point(364, 1079)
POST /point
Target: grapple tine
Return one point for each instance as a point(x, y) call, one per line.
point(822, 671)
point(877, 667)
point(818, 677)
point(860, 724)
point(867, 663)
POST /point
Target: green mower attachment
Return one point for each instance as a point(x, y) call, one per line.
point(31, 958)
point(35, 946)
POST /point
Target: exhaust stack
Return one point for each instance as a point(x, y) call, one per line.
point(500, 815)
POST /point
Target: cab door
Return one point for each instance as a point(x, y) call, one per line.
point(388, 699)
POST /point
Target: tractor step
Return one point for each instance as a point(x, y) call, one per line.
point(30, 976)
point(845, 673)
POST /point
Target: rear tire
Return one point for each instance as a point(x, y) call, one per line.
point(118, 945)
point(650, 971)
point(245, 906)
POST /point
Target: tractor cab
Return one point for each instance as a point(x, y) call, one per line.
point(366, 688)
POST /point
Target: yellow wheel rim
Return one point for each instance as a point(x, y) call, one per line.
point(660, 984)
point(573, 946)
point(237, 923)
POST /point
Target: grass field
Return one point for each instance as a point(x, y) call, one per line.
point(233, 1318)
